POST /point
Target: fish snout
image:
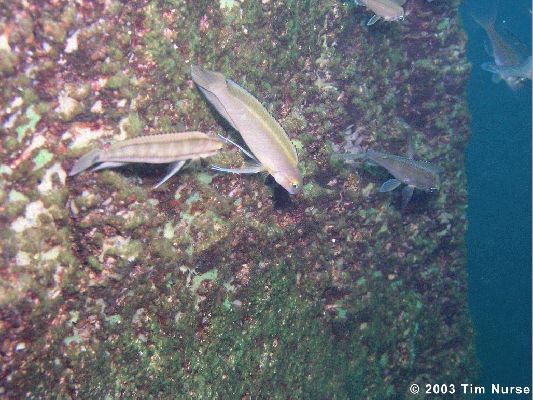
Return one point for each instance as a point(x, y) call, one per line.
point(291, 181)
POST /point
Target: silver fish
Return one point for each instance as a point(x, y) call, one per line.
point(413, 173)
point(170, 148)
point(520, 71)
point(388, 10)
point(511, 61)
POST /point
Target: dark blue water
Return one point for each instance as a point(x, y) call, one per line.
point(499, 213)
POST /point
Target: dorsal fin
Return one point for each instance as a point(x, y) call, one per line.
point(164, 137)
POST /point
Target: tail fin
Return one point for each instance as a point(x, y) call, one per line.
point(86, 161)
point(348, 156)
point(410, 145)
point(207, 80)
point(210, 83)
point(487, 20)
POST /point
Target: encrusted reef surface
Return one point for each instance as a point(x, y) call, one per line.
point(221, 286)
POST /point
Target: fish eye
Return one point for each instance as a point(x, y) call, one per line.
point(295, 185)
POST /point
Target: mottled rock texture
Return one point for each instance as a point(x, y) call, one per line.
point(221, 286)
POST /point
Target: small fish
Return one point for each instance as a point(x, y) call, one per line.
point(511, 61)
point(413, 173)
point(520, 71)
point(171, 148)
point(389, 10)
point(271, 148)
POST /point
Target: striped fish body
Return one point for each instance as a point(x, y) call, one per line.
point(263, 135)
point(161, 149)
point(153, 149)
point(419, 174)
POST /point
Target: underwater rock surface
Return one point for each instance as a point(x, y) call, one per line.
point(221, 286)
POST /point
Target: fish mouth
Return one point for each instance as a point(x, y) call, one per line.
point(294, 190)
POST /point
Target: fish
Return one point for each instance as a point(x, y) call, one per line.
point(169, 148)
point(388, 10)
point(520, 71)
point(413, 173)
point(271, 150)
point(511, 61)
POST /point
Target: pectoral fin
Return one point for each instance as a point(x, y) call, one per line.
point(389, 185)
point(410, 145)
point(228, 140)
point(348, 156)
point(373, 20)
point(490, 67)
point(109, 164)
point(174, 168)
point(248, 168)
point(488, 49)
point(407, 193)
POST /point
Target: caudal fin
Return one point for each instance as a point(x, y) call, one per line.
point(211, 83)
point(207, 80)
point(86, 161)
point(348, 156)
point(487, 19)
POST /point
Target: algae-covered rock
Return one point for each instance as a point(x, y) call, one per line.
point(219, 286)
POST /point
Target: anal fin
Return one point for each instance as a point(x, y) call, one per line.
point(174, 168)
point(389, 185)
point(407, 193)
point(248, 168)
point(108, 164)
point(228, 140)
point(373, 20)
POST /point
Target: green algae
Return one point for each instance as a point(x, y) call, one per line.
point(15, 196)
point(206, 276)
point(29, 127)
point(227, 304)
point(298, 145)
point(8, 61)
point(75, 338)
point(42, 158)
point(117, 81)
point(313, 191)
point(133, 124)
point(226, 4)
point(204, 178)
point(192, 199)
point(168, 232)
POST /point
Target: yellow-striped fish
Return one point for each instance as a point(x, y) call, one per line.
point(172, 148)
point(272, 149)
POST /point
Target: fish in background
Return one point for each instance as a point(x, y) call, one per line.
point(516, 71)
point(388, 10)
point(415, 174)
point(511, 60)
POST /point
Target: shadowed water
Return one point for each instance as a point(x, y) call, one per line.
point(499, 210)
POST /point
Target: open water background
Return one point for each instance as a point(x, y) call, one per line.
point(499, 211)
